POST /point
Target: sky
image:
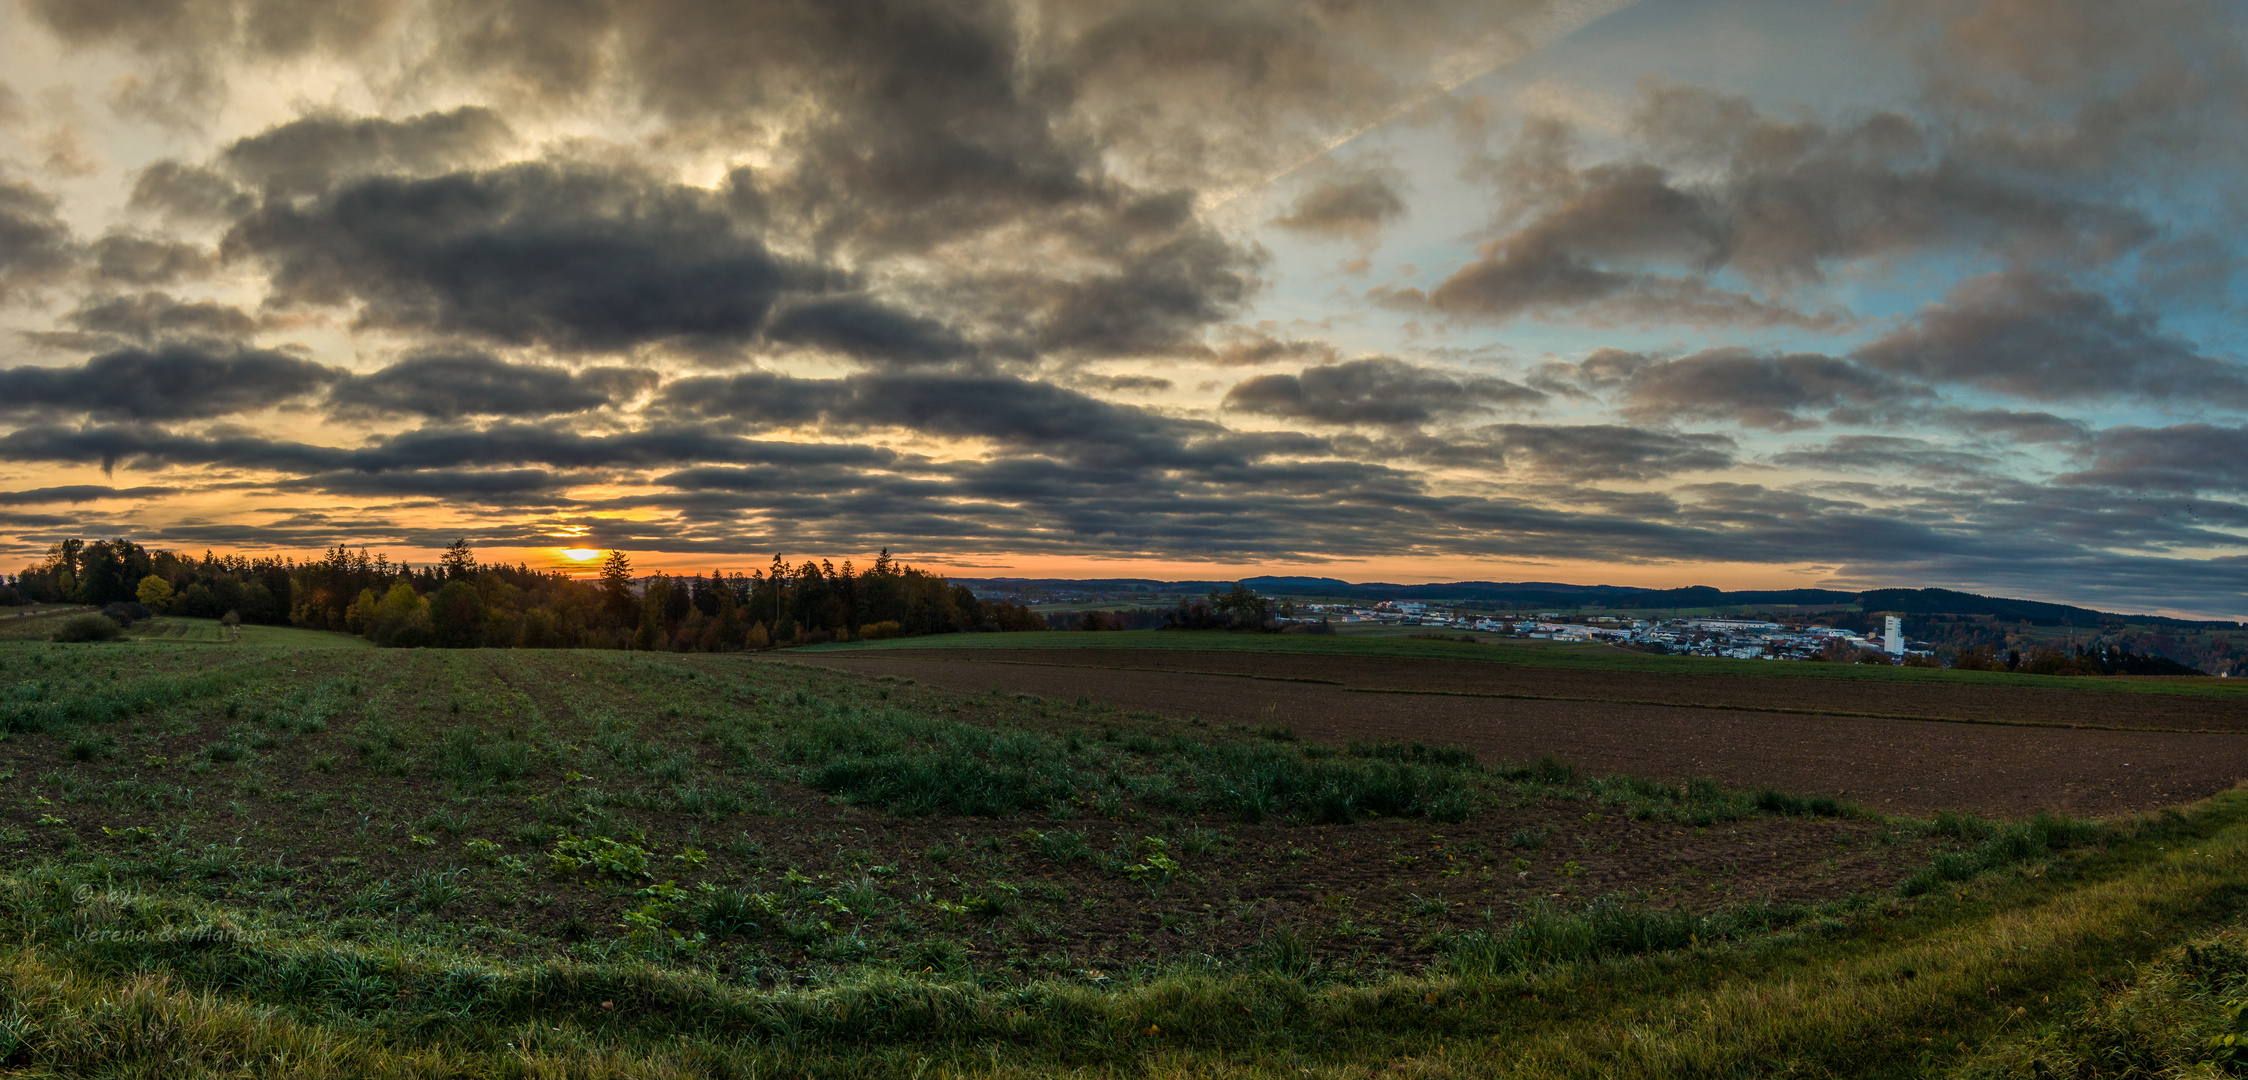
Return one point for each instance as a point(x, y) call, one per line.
point(1745, 294)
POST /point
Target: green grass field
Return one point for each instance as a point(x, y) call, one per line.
point(274, 860)
point(179, 630)
point(1496, 650)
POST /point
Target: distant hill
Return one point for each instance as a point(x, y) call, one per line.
point(1558, 595)
point(2035, 612)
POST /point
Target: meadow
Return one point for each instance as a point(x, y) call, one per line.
point(294, 857)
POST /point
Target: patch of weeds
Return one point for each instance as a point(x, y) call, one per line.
point(91, 747)
point(726, 912)
point(2003, 845)
point(373, 899)
point(469, 756)
point(1777, 802)
point(601, 854)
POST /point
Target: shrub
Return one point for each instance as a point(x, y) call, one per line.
point(1775, 802)
point(79, 628)
point(880, 631)
point(126, 613)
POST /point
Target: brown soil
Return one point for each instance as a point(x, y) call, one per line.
point(1899, 765)
point(330, 823)
point(2092, 706)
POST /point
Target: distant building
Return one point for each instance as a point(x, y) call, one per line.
point(1893, 635)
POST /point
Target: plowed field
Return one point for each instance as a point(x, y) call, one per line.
point(1911, 748)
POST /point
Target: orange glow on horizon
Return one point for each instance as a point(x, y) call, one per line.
point(581, 554)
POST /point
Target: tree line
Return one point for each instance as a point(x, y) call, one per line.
point(460, 602)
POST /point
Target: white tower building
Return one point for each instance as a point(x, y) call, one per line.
point(1893, 637)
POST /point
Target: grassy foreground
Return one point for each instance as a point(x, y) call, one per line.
point(309, 862)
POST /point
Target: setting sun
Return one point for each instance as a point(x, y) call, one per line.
point(579, 554)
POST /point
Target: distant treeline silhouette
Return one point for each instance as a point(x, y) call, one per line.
point(459, 602)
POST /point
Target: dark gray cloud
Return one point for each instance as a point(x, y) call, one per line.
point(306, 156)
point(35, 243)
point(1601, 371)
point(568, 256)
point(1607, 451)
point(2034, 337)
point(1888, 454)
point(130, 259)
point(171, 381)
point(1251, 349)
point(1570, 454)
point(1376, 390)
point(2185, 458)
point(2028, 427)
point(2081, 88)
point(1125, 384)
point(111, 446)
point(510, 485)
point(80, 493)
point(151, 315)
point(862, 328)
point(1162, 277)
point(189, 193)
point(1019, 413)
point(1759, 390)
point(448, 386)
point(1353, 203)
point(1719, 187)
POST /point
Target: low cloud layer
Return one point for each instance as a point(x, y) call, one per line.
point(1376, 390)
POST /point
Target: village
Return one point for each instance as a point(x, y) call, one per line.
point(1746, 639)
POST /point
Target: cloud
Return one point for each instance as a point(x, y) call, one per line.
point(130, 259)
point(1376, 390)
point(1757, 390)
point(1601, 371)
point(189, 192)
point(858, 327)
point(150, 315)
point(188, 44)
point(1017, 413)
point(1887, 454)
point(2077, 87)
point(1719, 188)
point(453, 484)
point(35, 244)
point(1254, 349)
point(1126, 384)
point(1571, 453)
point(2029, 427)
point(2031, 336)
point(80, 493)
point(2180, 458)
point(1354, 204)
point(171, 381)
point(111, 445)
point(570, 256)
point(307, 156)
point(1607, 451)
point(451, 385)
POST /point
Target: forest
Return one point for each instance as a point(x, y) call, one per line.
point(460, 602)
